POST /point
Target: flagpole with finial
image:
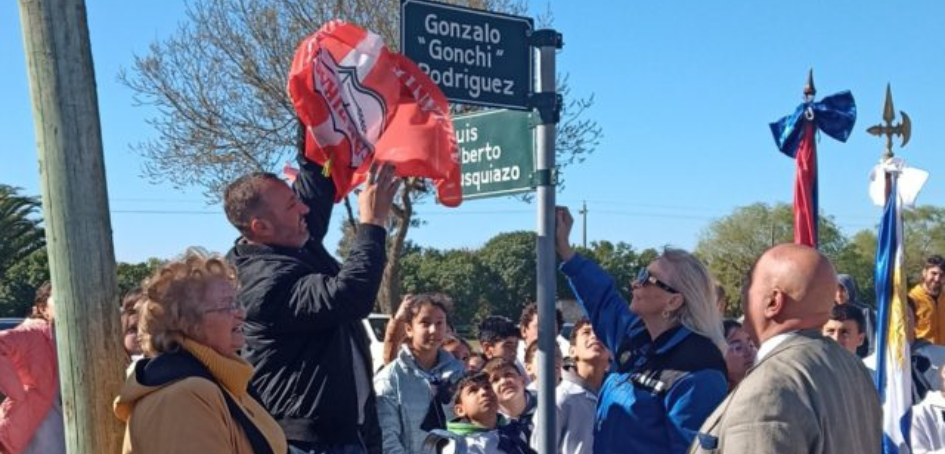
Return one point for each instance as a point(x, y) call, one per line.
point(903, 129)
point(893, 368)
point(796, 137)
point(809, 89)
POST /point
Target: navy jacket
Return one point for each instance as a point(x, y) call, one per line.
point(661, 391)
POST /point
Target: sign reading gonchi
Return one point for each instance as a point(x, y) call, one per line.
point(497, 152)
point(476, 57)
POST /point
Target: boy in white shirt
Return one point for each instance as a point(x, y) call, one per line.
point(576, 396)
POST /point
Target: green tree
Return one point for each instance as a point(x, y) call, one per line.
point(18, 288)
point(23, 265)
point(619, 260)
point(460, 274)
point(21, 233)
point(218, 85)
point(511, 256)
point(647, 256)
point(924, 229)
point(730, 245)
point(132, 275)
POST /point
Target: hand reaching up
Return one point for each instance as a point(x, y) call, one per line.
point(563, 224)
point(375, 200)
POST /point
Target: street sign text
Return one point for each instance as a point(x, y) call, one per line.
point(476, 57)
point(497, 152)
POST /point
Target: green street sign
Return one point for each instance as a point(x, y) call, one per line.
point(476, 57)
point(497, 152)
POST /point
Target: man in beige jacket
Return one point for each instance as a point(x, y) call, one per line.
point(806, 394)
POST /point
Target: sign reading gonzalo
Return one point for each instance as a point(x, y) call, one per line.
point(476, 57)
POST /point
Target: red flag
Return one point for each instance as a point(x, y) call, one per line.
point(805, 189)
point(361, 102)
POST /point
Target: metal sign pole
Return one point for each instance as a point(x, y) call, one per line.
point(548, 104)
point(502, 70)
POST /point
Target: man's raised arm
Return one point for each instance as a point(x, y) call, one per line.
point(317, 191)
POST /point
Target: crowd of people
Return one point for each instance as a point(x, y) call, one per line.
point(263, 352)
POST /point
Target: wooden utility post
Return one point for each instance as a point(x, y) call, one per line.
point(78, 228)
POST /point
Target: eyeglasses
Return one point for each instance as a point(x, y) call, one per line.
point(229, 309)
point(644, 279)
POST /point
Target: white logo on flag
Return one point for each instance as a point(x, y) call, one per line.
point(355, 112)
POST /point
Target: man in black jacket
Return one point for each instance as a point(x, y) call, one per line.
point(304, 311)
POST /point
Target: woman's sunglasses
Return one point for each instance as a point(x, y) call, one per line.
point(644, 279)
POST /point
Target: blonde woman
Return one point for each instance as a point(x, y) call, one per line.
point(191, 393)
point(667, 349)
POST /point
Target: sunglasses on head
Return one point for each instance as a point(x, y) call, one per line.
point(644, 279)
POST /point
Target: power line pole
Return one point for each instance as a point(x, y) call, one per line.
point(78, 227)
point(583, 214)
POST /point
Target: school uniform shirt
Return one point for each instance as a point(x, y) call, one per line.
point(928, 425)
point(576, 405)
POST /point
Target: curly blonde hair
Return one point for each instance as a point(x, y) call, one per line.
point(173, 300)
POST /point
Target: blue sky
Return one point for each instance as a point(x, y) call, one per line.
point(684, 90)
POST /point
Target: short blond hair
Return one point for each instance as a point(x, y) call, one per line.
point(171, 310)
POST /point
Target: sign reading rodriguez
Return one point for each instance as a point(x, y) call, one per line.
point(497, 152)
point(476, 57)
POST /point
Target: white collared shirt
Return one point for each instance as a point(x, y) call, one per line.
point(769, 345)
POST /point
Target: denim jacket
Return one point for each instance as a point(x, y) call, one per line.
point(404, 396)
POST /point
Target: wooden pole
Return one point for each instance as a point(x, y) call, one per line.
point(78, 227)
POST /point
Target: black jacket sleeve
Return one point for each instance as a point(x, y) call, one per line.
point(319, 301)
point(318, 193)
point(371, 430)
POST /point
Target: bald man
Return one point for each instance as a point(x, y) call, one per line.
point(806, 394)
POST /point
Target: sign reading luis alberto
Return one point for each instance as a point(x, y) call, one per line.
point(497, 153)
point(476, 57)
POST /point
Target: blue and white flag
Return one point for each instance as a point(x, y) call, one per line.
point(893, 356)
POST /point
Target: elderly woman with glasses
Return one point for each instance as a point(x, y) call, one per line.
point(668, 365)
point(191, 393)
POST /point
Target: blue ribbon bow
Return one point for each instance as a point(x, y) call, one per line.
point(834, 115)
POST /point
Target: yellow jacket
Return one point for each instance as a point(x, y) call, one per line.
point(929, 315)
point(190, 415)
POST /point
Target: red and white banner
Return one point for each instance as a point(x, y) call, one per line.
point(361, 102)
